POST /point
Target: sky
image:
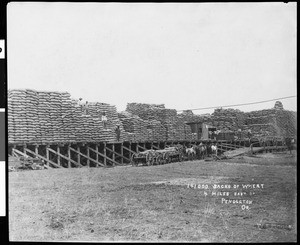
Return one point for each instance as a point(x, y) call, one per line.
point(186, 56)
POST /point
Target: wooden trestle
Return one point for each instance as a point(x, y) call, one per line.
point(102, 154)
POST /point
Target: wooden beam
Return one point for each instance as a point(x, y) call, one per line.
point(78, 155)
point(155, 147)
point(97, 156)
point(117, 153)
point(122, 154)
point(131, 151)
point(113, 156)
point(43, 158)
point(105, 157)
point(97, 153)
point(88, 160)
point(20, 153)
point(81, 154)
point(104, 154)
point(142, 147)
point(47, 156)
point(60, 155)
point(69, 157)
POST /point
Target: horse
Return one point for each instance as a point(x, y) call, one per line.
point(202, 150)
point(191, 152)
point(214, 149)
point(208, 149)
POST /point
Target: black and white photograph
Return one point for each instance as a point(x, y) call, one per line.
point(152, 122)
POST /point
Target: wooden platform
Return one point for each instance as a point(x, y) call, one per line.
point(106, 154)
point(248, 150)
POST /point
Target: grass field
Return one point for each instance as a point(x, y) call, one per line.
point(154, 203)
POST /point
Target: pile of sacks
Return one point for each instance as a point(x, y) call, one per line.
point(169, 125)
point(286, 121)
point(272, 122)
point(53, 117)
point(156, 130)
point(134, 126)
point(228, 119)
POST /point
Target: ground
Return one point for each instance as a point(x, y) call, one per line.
point(157, 203)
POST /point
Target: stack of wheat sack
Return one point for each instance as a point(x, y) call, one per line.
point(55, 115)
point(11, 127)
point(286, 121)
point(43, 113)
point(135, 126)
point(261, 123)
point(228, 119)
point(157, 132)
point(33, 127)
point(125, 118)
point(145, 111)
point(17, 110)
point(75, 121)
point(259, 117)
point(141, 130)
point(170, 123)
point(52, 117)
point(128, 123)
point(67, 113)
point(174, 126)
point(184, 130)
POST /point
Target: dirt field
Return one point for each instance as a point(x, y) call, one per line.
point(157, 203)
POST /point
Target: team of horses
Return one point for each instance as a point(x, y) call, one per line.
point(197, 151)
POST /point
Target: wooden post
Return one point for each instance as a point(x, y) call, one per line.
point(58, 157)
point(113, 156)
point(69, 156)
point(137, 148)
point(78, 155)
point(88, 160)
point(97, 156)
point(130, 154)
point(104, 153)
point(47, 155)
point(122, 153)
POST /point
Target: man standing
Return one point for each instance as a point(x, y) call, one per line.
point(86, 108)
point(118, 133)
point(249, 133)
point(104, 120)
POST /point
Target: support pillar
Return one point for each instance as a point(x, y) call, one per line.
point(58, 157)
point(47, 155)
point(122, 153)
point(69, 156)
point(97, 156)
point(113, 153)
point(104, 153)
point(88, 160)
point(78, 155)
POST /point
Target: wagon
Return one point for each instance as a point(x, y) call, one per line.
point(146, 158)
point(171, 154)
point(157, 157)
